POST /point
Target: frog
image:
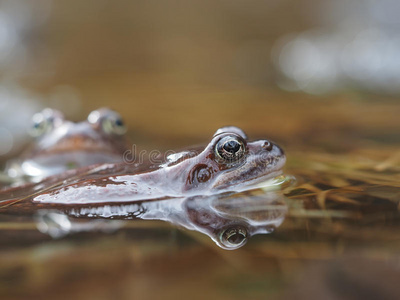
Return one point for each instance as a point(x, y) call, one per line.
point(228, 163)
point(207, 188)
point(59, 145)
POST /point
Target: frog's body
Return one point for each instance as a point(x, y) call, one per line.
point(228, 163)
point(62, 145)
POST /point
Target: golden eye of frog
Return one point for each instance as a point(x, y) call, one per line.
point(60, 144)
point(228, 163)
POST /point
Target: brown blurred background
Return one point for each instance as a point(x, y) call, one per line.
point(178, 70)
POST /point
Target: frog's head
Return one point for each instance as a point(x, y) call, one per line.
point(61, 144)
point(231, 162)
point(103, 131)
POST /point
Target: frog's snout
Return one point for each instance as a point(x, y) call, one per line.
point(272, 149)
point(279, 151)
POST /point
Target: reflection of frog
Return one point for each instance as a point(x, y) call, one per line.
point(61, 144)
point(228, 219)
point(228, 163)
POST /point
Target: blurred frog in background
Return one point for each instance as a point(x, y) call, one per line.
point(60, 145)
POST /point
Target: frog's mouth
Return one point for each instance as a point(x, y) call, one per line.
point(53, 146)
point(257, 168)
point(78, 144)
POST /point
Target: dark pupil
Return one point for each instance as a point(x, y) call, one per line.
point(236, 238)
point(119, 122)
point(231, 147)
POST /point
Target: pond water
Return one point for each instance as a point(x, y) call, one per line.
point(340, 215)
point(329, 230)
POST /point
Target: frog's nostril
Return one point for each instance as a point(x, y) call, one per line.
point(267, 146)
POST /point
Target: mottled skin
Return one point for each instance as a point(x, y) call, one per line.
point(201, 171)
point(62, 145)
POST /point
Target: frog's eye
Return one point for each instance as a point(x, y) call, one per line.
point(109, 120)
point(113, 125)
point(44, 121)
point(230, 148)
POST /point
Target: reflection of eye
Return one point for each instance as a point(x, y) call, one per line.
point(230, 148)
point(44, 121)
point(109, 120)
point(233, 237)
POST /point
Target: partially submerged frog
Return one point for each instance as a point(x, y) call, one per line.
point(228, 163)
point(192, 189)
point(61, 145)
